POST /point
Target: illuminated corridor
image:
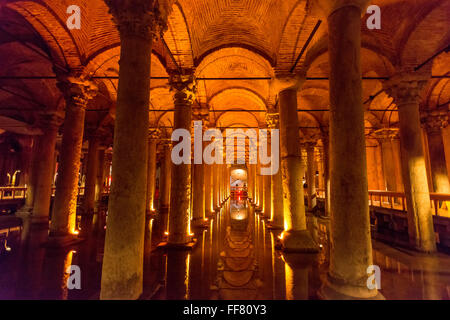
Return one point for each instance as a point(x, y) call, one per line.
point(224, 149)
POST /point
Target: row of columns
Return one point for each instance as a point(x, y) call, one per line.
point(351, 251)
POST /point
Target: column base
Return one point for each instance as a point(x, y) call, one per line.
point(200, 223)
point(272, 226)
point(210, 214)
point(332, 290)
point(62, 241)
point(178, 246)
point(298, 241)
point(39, 220)
point(24, 211)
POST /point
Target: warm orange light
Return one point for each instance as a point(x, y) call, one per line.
point(281, 236)
point(76, 232)
point(166, 233)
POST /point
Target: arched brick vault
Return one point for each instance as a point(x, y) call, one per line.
point(218, 38)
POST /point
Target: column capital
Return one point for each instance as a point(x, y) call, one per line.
point(76, 89)
point(324, 8)
point(184, 86)
point(405, 88)
point(273, 120)
point(154, 133)
point(386, 134)
point(201, 114)
point(286, 81)
point(141, 18)
point(434, 120)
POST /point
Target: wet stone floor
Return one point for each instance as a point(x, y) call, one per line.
point(235, 258)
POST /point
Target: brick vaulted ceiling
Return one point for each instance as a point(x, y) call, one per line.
point(217, 38)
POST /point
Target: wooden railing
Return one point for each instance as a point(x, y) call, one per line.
point(397, 200)
point(16, 193)
point(12, 193)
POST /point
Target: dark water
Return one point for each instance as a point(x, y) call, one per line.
point(235, 258)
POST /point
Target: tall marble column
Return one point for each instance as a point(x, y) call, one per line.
point(326, 169)
point(276, 184)
point(351, 252)
point(385, 137)
point(250, 181)
point(260, 189)
point(267, 206)
point(255, 184)
point(43, 166)
point(30, 155)
point(77, 92)
point(216, 199)
point(139, 22)
point(91, 176)
point(295, 237)
point(405, 89)
point(180, 194)
point(161, 223)
point(208, 175)
point(151, 170)
point(311, 176)
point(434, 121)
point(198, 182)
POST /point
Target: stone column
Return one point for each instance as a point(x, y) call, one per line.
point(139, 22)
point(30, 154)
point(255, 185)
point(249, 181)
point(224, 182)
point(405, 89)
point(326, 169)
point(311, 176)
point(91, 176)
point(209, 181)
point(295, 236)
point(180, 193)
point(216, 200)
point(276, 184)
point(164, 188)
point(434, 121)
point(385, 137)
point(99, 188)
point(77, 92)
point(161, 222)
point(351, 252)
point(151, 170)
point(260, 189)
point(44, 167)
point(198, 182)
point(267, 206)
point(219, 184)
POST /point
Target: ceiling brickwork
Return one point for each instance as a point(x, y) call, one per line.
point(219, 38)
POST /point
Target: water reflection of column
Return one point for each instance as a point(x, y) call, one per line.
point(54, 276)
point(296, 275)
point(432, 287)
point(177, 277)
point(29, 268)
point(278, 270)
